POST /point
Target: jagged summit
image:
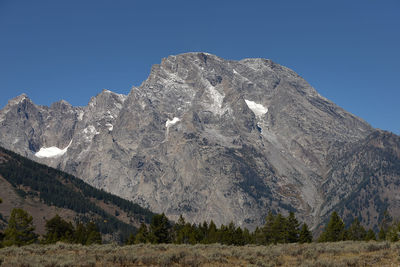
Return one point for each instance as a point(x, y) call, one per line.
point(18, 99)
point(208, 138)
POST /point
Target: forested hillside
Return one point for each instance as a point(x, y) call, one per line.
point(38, 185)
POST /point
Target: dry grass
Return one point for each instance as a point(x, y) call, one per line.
point(316, 254)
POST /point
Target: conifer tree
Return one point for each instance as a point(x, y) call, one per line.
point(279, 229)
point(130, 240)
point(305, 235)
point(239, 239)
point(80, 235)
point(393, 232)
point(87, 234)
point(1, 233)
point(334, 230)
point(93, 234)
point(247, 237)
point(212, 234)
point(20, 229)
point(194, 234)
point(186, 234)
point(230, 235)
point(160, 229)
point(268, 231)
point(370, 235)
point(142, 235)
point(178, 230)
point(223, 234)
point(258, 236)
point(385, 224)
point(58, 229)
point(382, 234)
point(203, 231)
point(292, 228)
point(356, 231)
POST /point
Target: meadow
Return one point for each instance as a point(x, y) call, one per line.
point(345, 253)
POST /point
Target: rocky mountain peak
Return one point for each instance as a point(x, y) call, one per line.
point(18, 99)
point(61, 105)
point(208, 138)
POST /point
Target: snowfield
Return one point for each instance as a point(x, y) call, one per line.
point(51, 152)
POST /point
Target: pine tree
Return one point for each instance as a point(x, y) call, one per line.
point(20, 229)
point(258, 236)
point(356, 231)
point(93, 234)
point(1, 239)
point(1, 234)
point(385, 224)
point(292, 228)
point(58, 229)
point(239, 239)
point(160, 229)
point(370, 235)
point(334, 230)
point(194, 234)
point(142, 235)
point(80, 235)
point(212, 234)
point(203, 231)
point(279, 229)
point(247, 237)
point(87, 234)
point(178, 234)
point(130, 240)
point(393, 232)
point(268, 231)
point(382, 234)
point(186, 234)
point(230, 235)
point(305, 235)
point(223, 234)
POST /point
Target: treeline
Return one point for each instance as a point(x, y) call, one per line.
point(277, 229)
point(336, 230)
point(21, 231)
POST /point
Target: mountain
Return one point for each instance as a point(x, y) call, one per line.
point(45, 192)
point(214, 139)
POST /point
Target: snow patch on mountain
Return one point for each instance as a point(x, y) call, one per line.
point(171, 122)
point(90, 132)
point(110, 126)
point(51, 152)
point(109, 115)
point(216, 100)
point(80, 115)
point(258, 109)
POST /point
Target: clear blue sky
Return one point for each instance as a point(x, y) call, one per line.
point(348, 50)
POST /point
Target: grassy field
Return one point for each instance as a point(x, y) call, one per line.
point(315, 254)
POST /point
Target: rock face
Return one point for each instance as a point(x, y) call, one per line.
point(212, 139)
